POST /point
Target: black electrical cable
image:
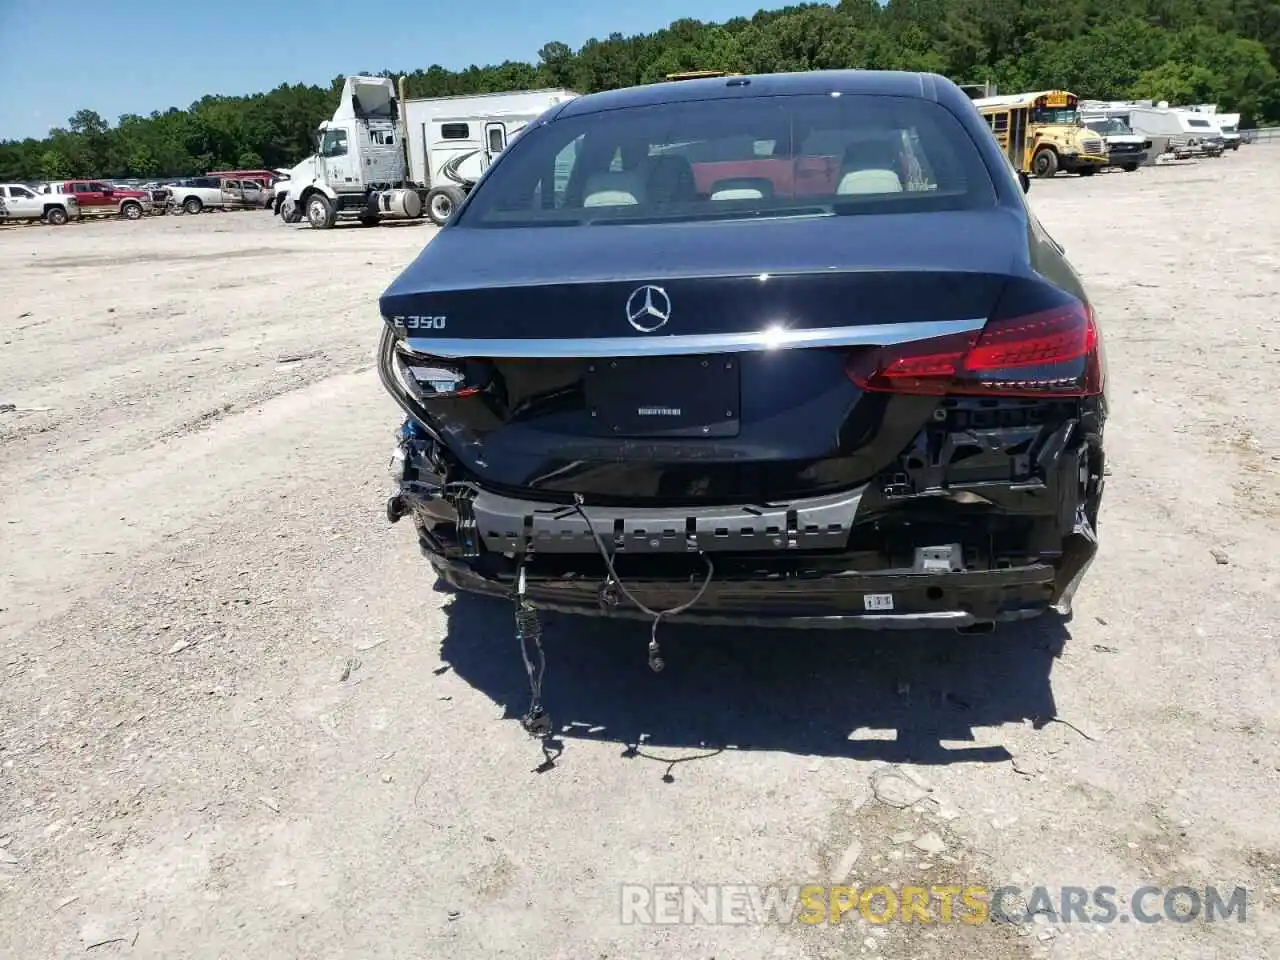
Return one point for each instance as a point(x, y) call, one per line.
point(655, 658)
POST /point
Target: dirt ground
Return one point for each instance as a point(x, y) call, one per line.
point(237, 719)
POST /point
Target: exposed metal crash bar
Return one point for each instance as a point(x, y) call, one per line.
point(507, 525)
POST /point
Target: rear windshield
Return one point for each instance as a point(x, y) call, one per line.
point(729, 159)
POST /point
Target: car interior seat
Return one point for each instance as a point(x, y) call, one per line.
point(742, 188)
point(870, 166)
point(614, 188)
point(670, 180)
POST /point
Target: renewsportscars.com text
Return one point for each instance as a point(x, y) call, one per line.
point(674, 904)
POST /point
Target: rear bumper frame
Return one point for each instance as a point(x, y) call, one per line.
point(921, 600)
point(513, 526)
point(496, 535)
point(811, 562)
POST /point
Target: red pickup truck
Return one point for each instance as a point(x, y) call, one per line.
point(102, 199)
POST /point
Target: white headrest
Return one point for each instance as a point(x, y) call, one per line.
point(613, 189)
point(610, 198)
point(869, 181)
point(738, 193)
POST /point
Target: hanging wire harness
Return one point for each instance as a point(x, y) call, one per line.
point(656, 663)
point(537, 722)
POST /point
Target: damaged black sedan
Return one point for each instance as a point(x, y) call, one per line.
point(785, 349)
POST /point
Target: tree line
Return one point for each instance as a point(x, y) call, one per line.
point(1182, 51)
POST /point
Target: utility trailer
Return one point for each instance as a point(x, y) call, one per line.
point(383, 156)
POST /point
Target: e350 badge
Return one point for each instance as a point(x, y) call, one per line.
point(419, 323)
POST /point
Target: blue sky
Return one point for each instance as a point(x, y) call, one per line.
point(135, 56)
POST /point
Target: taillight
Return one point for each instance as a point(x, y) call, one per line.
point(439, 379)
point(1054, 352)
point(427, 377)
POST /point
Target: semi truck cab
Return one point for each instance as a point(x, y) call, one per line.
point(358, 171)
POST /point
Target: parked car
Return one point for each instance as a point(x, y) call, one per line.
point(195, 194)
point(797, 352)
point(243, 194)
point(99, 199)
point(23, 203)
point(1125, 149)
point(159, 196)
point(265, 178)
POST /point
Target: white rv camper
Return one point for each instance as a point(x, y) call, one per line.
point(1229, 124)
point(1203, 130)
point(384, 157)
point(452, 140)
point(1170, 131)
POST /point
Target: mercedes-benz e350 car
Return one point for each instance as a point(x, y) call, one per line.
point(792, 347)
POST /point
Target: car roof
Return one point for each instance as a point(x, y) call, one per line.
point(885, 83)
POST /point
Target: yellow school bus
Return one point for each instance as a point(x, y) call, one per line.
point(1041, 132)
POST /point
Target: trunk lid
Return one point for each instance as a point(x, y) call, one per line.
point(691, 363)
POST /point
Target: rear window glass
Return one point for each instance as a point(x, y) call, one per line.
point(760, 156)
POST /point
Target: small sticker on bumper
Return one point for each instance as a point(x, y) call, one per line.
point(878, 601)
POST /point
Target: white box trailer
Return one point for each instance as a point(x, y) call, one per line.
point(473, 113)
point(383, 156)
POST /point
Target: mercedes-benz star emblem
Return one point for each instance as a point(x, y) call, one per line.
point(648, 308)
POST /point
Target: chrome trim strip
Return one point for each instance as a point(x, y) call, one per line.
point(871, 335)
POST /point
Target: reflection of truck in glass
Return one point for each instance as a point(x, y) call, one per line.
point(1041, 132)
point(382, 156)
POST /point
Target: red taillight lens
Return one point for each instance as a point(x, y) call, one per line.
point(1051, 353)
point(920, 367)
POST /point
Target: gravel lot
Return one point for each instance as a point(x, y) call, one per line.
point(237, 719)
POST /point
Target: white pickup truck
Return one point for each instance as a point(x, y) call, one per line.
point(215, 193)
point(20, 202)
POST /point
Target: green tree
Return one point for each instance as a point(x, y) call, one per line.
point(1225, 51)
point(87, 123)
point(142, 162)
point(54, 166)
point(555, 59)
